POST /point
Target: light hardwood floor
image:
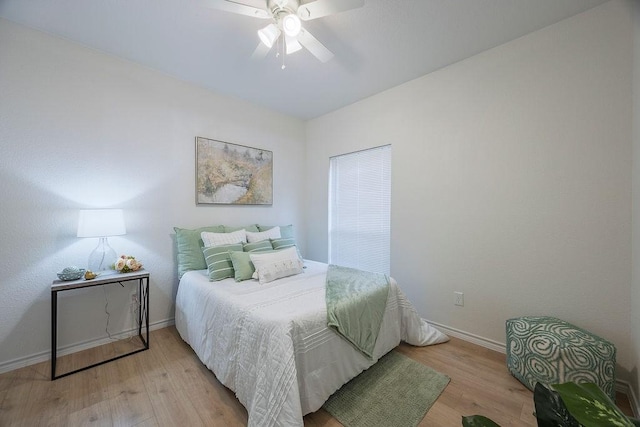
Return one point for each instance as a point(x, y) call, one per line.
point(168, 386)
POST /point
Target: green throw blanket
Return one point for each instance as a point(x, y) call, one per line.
point(356, 301)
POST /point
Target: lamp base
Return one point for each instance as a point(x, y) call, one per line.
point(102, 257)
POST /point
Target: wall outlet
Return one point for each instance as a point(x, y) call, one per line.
point(458, 299)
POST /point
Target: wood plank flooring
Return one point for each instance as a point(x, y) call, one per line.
point(169, 386)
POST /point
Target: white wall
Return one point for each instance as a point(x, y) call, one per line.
point(511, 180)
point(81, 129)
point(635, 285)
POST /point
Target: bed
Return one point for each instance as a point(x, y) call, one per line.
point(270, 343)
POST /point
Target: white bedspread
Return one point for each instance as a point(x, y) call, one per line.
point(271, 345)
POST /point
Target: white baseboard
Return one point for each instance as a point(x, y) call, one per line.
point(625, 388)
point(621, 386)
point(73, 348)
point(472, 338)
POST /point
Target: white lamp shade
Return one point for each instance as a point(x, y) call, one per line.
point(101, 223)
point(292, 45)
point(269, 34)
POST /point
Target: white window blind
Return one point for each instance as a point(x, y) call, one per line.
point(360, 210)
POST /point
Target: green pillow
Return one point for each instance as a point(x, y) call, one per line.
point(242, 265)
point(252, 227)
point(190, 248)
point(282, 243)
point(219, 260)
point(261, 246)
point(285, 230)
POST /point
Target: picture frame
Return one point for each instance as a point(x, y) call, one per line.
point(232, 174)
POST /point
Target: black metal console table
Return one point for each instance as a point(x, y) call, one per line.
point(143, 311)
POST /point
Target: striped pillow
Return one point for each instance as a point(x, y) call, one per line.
point(283, 243)
point(261, 246)
point(219, 262)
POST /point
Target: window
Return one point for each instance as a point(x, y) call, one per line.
point(360, 210)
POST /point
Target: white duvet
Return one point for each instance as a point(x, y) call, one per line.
point(271, 345)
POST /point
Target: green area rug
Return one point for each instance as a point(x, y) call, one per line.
point(397, 391)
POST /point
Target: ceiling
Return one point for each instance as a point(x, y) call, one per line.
point(376, 47)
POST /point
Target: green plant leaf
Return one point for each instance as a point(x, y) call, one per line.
point(590, 406)
point(478, 421)
point(550, 410)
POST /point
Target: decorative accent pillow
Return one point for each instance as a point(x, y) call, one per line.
point(273, 233)
point(251, 227)
point(279, 269)
point(242, 266)
point(217, 239)
point(219, 261)
point(285, 230)
point(282, 243)
point(261, 246)
point(276, 265)
point(285, 243)
point(189, 245)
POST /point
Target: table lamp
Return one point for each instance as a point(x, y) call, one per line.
point(101, 223)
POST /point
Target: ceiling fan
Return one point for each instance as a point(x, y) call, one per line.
point(286, 22)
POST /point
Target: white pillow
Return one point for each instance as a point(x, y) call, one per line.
point(272, 233)
point(217, 239)
point(276, 265)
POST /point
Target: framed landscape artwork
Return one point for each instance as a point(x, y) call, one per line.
point(232, 174)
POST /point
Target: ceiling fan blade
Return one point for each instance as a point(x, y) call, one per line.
point(314, 46)
point(260, 52)
point(239, 8)
point(320, 8)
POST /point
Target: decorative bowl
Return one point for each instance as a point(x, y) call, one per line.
point(71, 273)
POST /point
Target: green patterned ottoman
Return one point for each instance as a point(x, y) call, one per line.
point(552, 351)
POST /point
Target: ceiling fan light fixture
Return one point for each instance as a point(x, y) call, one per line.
point(291, 25)
point(292, 44)
point(269, 34)
point(286, 18)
